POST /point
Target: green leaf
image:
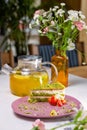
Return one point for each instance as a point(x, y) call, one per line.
point(35, 128)
point(77, 116)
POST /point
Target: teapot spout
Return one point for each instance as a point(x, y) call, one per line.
point(6, 69)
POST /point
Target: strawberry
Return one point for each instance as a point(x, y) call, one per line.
point(53, 100)
point(59, 103)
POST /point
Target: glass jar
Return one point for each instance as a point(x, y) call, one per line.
point(60, 60)
point(28, 75)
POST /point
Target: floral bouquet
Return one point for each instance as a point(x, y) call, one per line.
point(60, 26)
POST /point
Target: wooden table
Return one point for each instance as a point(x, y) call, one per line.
point(79, 71)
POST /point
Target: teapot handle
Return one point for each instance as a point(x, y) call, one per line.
point(56, 72)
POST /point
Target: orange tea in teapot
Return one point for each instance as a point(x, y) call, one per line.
point(28, 75)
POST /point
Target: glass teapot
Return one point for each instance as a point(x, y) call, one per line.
point(29, 74)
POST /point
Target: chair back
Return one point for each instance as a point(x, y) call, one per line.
point(73, 58)
point(46, 51)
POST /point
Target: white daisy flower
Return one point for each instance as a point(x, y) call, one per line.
point(73, 15)
point(56, 7)
point(81, 15)
point(60, 12)
point(62, 4)
point(71, 45)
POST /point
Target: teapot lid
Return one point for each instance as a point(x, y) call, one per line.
point(29, 62)
point(29, 57)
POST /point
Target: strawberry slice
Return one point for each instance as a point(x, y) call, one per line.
point(63, 101)
point(53, 100)
point(59, 103)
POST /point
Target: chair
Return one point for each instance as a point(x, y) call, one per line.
point(7, 58)
point(46, 51)
point(73, 58)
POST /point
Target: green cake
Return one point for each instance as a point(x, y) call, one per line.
point(42, 94)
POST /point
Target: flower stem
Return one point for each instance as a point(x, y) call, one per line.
point(62, 125)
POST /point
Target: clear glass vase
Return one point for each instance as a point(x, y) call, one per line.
point(60, 60)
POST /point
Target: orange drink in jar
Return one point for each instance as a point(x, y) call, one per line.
point(21, 85)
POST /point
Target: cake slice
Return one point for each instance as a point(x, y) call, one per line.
point(42, 94)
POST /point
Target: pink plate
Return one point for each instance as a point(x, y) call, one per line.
point(43, 109)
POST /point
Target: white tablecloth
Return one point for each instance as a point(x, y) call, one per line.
point(9, 121)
